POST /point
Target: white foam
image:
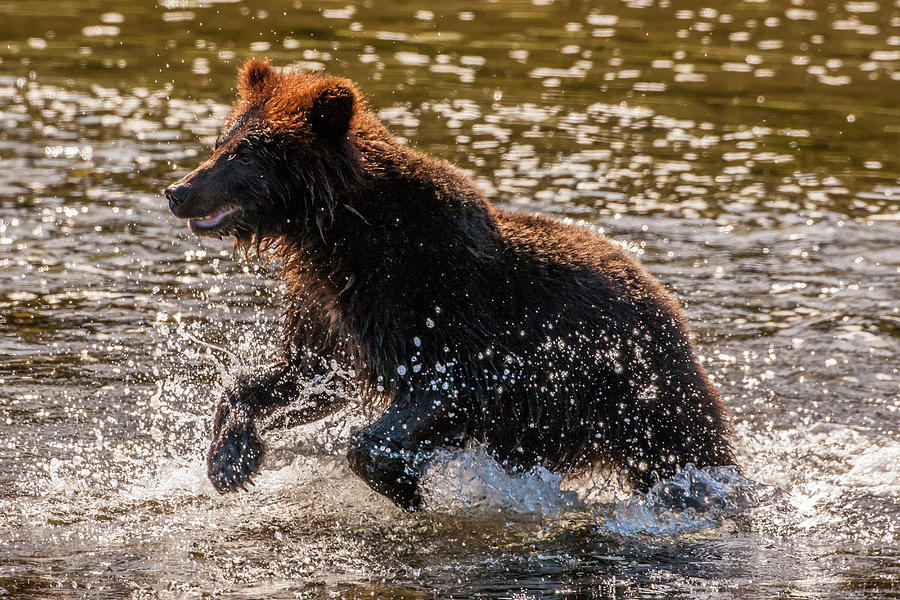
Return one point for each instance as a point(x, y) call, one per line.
point(471, 482)
point(693, 500)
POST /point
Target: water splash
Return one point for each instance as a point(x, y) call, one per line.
point(693, 500)
point(471, 482)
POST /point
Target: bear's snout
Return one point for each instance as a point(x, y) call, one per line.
point(177, 194)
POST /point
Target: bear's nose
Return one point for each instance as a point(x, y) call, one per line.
point(176, 194)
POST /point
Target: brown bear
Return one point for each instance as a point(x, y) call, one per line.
point(544, 341)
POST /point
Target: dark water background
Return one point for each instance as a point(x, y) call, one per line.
point(747, 151)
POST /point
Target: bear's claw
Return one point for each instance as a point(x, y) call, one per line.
point(234, 457)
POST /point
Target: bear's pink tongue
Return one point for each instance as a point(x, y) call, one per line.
point(215, 219)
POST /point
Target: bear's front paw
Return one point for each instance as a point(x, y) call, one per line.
point(234, 457)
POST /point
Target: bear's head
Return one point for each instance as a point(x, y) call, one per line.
point(283, 160)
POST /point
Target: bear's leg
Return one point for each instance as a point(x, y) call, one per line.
point(684, 424)
point(391, 454)
point(236, 452)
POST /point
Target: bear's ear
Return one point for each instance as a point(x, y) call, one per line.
point(333, 108)
point(253, 76)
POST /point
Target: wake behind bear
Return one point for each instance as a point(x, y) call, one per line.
point(544, 341)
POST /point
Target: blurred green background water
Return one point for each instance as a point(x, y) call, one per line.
point(746, 151)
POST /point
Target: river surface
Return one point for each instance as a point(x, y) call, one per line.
point(747, 152)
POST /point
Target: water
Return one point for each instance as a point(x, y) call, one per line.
point(747, 153)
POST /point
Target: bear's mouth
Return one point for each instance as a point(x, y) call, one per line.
point(213, 221)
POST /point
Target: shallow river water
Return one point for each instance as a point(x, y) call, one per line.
point(747, 151)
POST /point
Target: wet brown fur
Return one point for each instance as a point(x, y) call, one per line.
point(563, 348)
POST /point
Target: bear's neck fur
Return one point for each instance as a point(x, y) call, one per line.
point(363, 274)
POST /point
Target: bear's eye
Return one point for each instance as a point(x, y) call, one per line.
point(243, 155)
